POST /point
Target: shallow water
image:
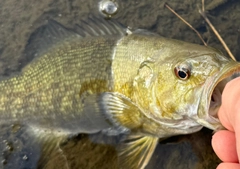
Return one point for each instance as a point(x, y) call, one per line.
point(18, 19)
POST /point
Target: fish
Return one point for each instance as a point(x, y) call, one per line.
point(102, 77)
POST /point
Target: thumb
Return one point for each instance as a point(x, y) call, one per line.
point(229, 110)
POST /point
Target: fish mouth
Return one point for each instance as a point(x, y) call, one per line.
point(216, 96)
point(212, 96)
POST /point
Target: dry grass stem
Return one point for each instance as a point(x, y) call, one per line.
point(167, 6)
point(202, 12)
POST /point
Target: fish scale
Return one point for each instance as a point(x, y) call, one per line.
point(104, 78)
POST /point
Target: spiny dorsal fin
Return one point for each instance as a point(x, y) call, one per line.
point(44, 38)
point(94, 26)
point(54, 33)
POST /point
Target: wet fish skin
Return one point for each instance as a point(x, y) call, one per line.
point(156, 88)
point(102, 79)
point(53, 83)
point(47, 98)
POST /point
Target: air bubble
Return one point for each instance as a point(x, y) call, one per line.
point(25, 157)
point(108, 7)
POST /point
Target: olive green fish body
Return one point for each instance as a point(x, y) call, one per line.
point(105, 78)
point(154, 90)
point(53, 84)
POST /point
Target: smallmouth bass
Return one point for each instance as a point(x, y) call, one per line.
point(105, 78)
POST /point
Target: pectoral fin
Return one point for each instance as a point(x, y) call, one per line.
point(120, 110)
point(136, 151)
point(123, 113)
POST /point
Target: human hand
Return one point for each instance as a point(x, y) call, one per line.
point(226, 143)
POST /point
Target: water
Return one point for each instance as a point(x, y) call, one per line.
point(18, 19)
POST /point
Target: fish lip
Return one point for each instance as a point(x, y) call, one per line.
point(206, 119)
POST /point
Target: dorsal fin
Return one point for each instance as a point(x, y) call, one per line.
point(44, 38)
point(54, 33)
point(94, 26)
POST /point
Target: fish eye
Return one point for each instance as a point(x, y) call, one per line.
point(182, 72)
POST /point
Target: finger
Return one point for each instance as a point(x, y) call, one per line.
point(230, 104)
point(228, 166)
point(237, 132)
point(224, 145)
point(229, 113)
point(224, 118)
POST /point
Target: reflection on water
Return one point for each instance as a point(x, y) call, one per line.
point(20, 18)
